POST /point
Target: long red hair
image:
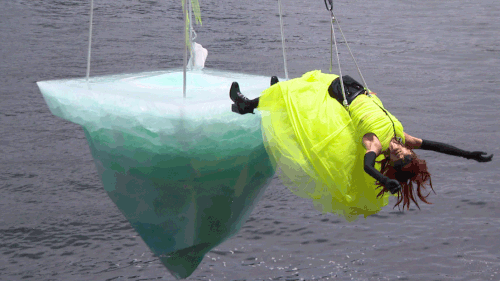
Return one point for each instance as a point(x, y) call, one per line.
point(413, 174)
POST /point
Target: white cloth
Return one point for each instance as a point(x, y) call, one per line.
point(199, 55)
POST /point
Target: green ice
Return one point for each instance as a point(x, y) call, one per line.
point(186, 173)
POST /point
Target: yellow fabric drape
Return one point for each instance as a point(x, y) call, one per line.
point(312, 139)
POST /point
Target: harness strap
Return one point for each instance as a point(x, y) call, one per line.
point(392, 121)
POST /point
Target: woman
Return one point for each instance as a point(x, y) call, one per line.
point(304, 116)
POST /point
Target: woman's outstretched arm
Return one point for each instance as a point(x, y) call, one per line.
point(417, 143)
point(412, 142)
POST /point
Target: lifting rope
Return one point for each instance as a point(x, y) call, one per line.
point(90, 38)
point(329, 7)
point(192, 35)
point(332, 34)
point(283, 41)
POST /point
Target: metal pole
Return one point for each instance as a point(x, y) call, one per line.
point(185, 48)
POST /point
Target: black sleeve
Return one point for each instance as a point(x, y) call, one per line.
point(370, 169)
point(445, 148)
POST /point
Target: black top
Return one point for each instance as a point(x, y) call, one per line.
point(352, 89)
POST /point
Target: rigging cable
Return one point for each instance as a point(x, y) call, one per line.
point(333, 38)
point(332, 34)
point(283, 40)
point(329, 7)
point(90, 38)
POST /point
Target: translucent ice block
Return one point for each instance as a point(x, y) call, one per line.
point(186, 173)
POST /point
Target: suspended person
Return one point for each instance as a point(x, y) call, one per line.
point(328, 152)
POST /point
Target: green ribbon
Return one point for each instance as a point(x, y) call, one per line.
point(195, 5)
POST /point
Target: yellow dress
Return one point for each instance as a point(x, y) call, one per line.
point(316, 144)
point(369, 116)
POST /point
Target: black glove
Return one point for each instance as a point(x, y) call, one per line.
point(392, 185)
point(451, 150)
point(479, 156)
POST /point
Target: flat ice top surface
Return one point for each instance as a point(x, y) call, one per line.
point(150, 95)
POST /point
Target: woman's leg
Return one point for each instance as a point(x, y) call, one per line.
point(242, 104)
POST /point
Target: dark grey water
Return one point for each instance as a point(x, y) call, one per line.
point(435, 64)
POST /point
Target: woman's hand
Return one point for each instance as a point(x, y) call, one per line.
point(393, 186)
point(479, 156)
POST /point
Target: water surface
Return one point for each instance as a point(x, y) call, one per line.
point(435, 65)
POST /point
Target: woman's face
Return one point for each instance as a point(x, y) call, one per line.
point(398, 152)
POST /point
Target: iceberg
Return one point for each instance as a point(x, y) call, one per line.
point(185, 172)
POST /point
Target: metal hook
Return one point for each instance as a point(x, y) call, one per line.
point(329, 8)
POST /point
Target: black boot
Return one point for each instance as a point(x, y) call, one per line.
point(274, 80)
point(242, 104)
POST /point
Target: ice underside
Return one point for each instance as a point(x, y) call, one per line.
point(186, 173)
